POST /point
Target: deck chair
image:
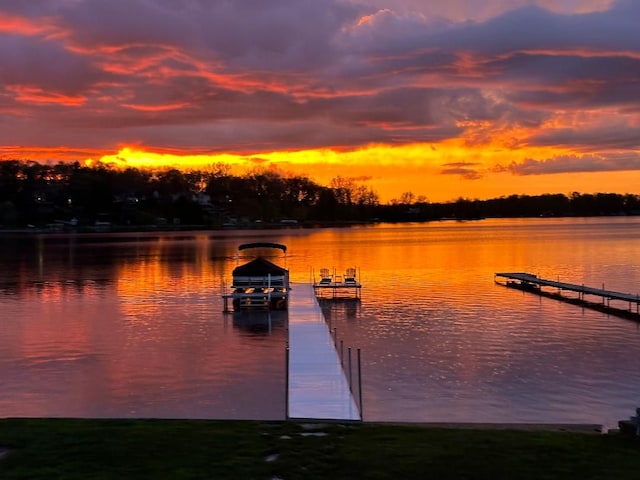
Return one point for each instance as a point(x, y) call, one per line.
point(350, 275)
point(325, 277)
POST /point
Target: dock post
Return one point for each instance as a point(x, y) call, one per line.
point(225, 300)
point(342, 353)
point(360, 384)
point(286, 386)
point(350, 374)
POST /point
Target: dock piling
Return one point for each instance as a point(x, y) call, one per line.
point(350, 373)
point(360, 384)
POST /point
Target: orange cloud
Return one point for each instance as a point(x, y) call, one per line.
point(156, 108)
point(47, 154)
point(37, 95)
point(15, 24)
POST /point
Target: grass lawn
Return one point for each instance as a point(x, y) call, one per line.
point(185, 449)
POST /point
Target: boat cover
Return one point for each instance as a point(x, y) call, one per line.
point(259, 266)
point(244, 246)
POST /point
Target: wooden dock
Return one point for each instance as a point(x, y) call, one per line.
point(532, 283)
point(317, 387)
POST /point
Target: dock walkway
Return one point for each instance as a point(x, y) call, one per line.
point(531, 282)
point(317, 387)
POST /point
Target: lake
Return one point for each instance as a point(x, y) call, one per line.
point(131, 325)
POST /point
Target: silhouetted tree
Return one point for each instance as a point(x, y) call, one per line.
point(34, 193)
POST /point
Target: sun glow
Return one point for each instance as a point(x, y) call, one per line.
point(478, 166)
point(438, 171)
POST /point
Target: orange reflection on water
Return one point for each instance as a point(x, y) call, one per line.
point(139, 332)
point(439, 339)
point(451, 263)
point(442, 339)
point(148, 281)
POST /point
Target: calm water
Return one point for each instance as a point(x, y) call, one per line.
point(132, 325)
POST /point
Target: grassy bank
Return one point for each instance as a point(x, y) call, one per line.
point(166, 449)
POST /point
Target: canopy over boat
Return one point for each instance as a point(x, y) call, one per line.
point(258, 267)
point(245, 246)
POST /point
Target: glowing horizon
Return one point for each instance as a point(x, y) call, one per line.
point(431, 171)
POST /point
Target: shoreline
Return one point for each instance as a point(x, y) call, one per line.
point(312, 423)
point(115, 229)
point(591, 428)
point(63, 229)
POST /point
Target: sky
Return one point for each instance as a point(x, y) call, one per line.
point(463, 98)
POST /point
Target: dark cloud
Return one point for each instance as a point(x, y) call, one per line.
point(280, 34)
point(467, 170)
point(460, 164)
point(613, 135)
point(30, 61)
point(534, 28)
point(576, 164)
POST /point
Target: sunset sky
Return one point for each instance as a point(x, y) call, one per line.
point(472, 98)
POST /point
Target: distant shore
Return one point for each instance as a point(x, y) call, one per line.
point(103, 228)
point(89, 229)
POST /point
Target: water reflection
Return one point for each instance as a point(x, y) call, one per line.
point(440, 341)
point(260, 322)
point(340, 307)
point(129, 327)
point(133, 325)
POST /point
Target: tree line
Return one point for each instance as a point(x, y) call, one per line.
point(71, 194)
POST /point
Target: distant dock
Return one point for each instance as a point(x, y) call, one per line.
point(532, 283)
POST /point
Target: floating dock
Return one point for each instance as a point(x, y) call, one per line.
point(317, 387)
point(337, 286)
point(532, 283)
